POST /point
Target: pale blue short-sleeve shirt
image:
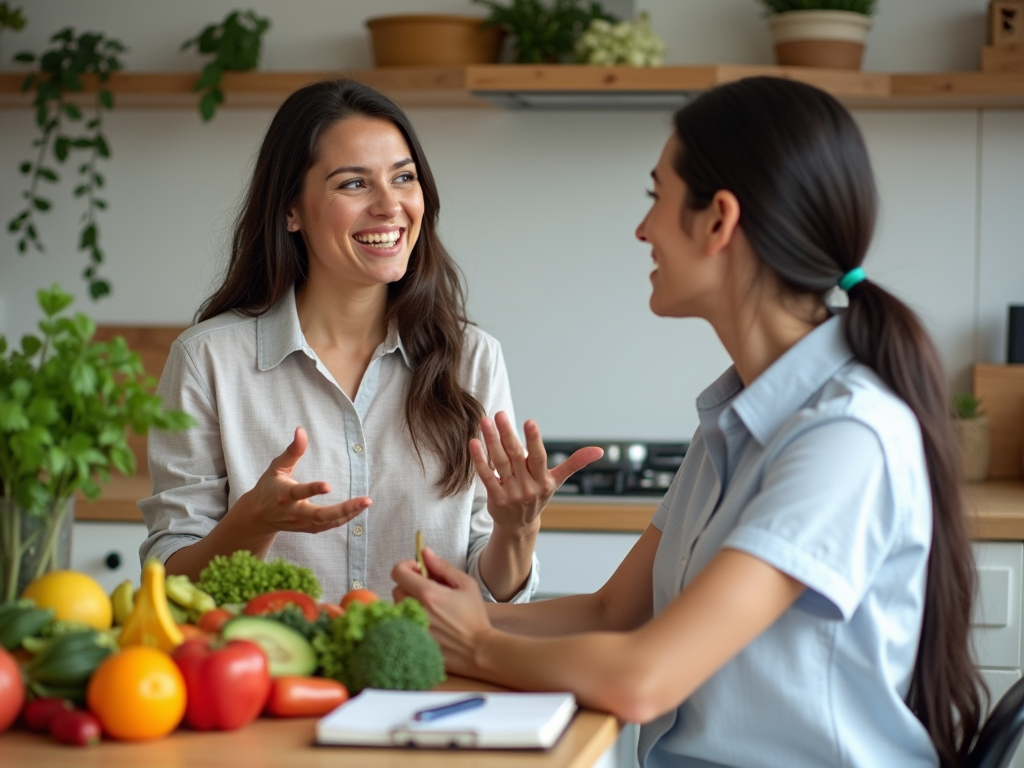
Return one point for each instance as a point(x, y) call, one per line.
point(249, 382)
point(817, 469)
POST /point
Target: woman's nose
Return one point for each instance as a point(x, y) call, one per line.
point(385, 203)
point(640, 230)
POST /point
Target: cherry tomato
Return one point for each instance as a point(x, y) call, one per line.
point(361, 595)
point(12, 690)
point(191, 631)
point(271, 602)
point(39, 713)
point(212, 621)
point(76, 727)
point(295, 696)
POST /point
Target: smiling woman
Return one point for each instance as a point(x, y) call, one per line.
point(335, 368)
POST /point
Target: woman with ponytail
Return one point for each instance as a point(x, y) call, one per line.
point(802, 595)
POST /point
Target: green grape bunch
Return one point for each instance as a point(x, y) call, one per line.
point(632, 43)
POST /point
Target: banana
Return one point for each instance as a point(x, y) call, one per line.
point(150, 622)
point(122, 600)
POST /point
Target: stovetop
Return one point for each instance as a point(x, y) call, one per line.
point(628, 468)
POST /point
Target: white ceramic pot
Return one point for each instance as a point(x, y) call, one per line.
point(832, 39)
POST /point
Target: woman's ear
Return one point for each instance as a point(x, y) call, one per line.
point(292, 221)
point(723, 220)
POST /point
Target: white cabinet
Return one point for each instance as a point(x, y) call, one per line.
point(996, 623)
point(109, 552)
point(577, 562)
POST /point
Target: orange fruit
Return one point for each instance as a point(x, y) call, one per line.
point(362, 595)
point(137, 693)
point(73, 596)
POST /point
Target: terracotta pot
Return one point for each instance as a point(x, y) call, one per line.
point(972, 436)
point(433, 39)
point(832, 39)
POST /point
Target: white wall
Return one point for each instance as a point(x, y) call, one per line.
point(538, 207)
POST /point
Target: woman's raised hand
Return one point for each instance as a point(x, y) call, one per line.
point(279, 503)
point(519, 483)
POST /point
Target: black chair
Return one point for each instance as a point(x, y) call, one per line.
point(1001, 731)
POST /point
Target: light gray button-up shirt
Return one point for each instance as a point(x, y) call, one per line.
point(249, 382)
point(817, 469)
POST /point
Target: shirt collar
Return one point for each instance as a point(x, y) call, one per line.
point(785, 386)
point(793, 379)
point(279, 333)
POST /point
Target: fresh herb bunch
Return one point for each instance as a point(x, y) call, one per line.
point(243, 576)
point(60, 73)
point(966, 406)
point(866, 7)
point(66, 403)
point(544, 33)
point(235, 45)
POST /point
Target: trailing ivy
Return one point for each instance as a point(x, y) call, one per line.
point(235, 45)
point(60, 73)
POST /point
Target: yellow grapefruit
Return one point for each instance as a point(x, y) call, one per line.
point(73, 596)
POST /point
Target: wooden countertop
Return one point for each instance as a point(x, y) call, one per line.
point(269, 743)
point(996, 509)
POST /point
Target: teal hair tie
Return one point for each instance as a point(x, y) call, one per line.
point(851, 278)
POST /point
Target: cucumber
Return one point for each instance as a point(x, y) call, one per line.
point(288, 652)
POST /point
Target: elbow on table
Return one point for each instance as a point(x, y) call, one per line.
point(635, 695)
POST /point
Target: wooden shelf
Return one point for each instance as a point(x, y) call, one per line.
point(511, 85)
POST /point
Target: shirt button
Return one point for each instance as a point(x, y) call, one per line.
point(357, 448)
point(357, 530)
point(357, 584)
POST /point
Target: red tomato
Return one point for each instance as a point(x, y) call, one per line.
point(39, 712)
point(271, 602)
point(362, 595)
point(226, 683)
point(212, 621)
point(191, 630)
point(332, 610)
point(295, 696)
point(12, 690)
point(76, 727)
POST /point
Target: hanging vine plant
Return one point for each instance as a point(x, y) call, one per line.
point(60, 73)
point(235, 44)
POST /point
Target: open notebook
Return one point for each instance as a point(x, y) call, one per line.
point(506, 720)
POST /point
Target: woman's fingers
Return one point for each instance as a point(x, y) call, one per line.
point(576, 462)
point(537, 456)
point(483, 468)
point(495, 451)
point(287, 460)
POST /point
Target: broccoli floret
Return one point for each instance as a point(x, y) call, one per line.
point(398, 654)
point(292, 616)
point(345, 632)
point(239, 578)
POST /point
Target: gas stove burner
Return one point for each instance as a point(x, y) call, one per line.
point(628, 467)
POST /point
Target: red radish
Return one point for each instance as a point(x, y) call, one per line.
point(76, 727)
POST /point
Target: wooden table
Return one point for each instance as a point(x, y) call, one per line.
point(270, 743)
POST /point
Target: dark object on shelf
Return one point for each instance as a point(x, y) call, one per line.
point(628, 467)
point(1015, 336)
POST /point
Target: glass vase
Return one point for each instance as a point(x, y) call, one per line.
point(33, 544)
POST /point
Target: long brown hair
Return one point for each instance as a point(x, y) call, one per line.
point(427, 303)
point(797, 163)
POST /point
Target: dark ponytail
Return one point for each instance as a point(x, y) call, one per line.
point(796, 161)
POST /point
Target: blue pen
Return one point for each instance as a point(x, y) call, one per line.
point(433, 713)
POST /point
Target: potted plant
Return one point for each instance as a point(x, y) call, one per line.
point(66, 404)
point(971, 427)
point(544, 33)
point(819, 33)
point(433, 40)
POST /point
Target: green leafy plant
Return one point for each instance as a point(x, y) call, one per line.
point(60, 73)
point(67, 402)
point(544, 32)
point(866, 7)
point(966, 406)
point(235, 45)
point(11, 18)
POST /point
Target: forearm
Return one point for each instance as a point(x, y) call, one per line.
point(234, 531)
point(558, 616)
point(507, 560)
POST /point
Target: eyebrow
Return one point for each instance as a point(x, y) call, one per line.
point(363, 170)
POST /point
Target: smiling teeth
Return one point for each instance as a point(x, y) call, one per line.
point(380, 239)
